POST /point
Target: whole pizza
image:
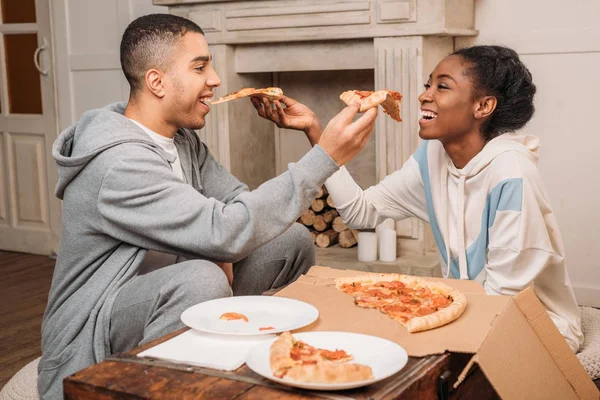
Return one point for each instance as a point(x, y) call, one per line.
point(418, 304)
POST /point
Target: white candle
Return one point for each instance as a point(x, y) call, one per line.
point(386, 224)
point(367, 246)
point(387, 245)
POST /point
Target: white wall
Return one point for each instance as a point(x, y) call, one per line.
point(560, 43)
point(87, 35)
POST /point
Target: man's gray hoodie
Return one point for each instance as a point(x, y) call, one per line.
point(121, 198)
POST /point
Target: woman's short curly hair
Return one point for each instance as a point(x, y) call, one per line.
point(497, 71)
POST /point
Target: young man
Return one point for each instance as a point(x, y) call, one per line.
point(135, 178)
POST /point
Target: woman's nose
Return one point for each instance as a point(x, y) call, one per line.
point(424, 97)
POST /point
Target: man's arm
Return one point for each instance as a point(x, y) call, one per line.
point(143, 205)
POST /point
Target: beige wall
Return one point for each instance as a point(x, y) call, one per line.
point(86, 36)
point(561, 47)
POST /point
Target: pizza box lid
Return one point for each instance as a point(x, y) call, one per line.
point(513, 339)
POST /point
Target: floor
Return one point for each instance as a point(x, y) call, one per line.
point(23, 294)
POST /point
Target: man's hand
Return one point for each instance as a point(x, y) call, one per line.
point(342, 139)
point(295, 115)
point(228, 269)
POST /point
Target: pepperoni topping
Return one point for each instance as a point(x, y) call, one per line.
point(230, 316)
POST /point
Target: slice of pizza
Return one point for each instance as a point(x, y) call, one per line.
point(300, 361)
point(416, 303)
point(389, 100)
point(271, 93)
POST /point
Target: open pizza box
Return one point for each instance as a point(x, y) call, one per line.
point(512, 339)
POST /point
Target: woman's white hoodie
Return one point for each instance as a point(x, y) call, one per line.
point(491, 220)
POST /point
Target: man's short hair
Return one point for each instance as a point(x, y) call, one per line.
point(148, 42)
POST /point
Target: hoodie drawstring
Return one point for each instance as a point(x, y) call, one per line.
point(445, 227)
point(462, 254)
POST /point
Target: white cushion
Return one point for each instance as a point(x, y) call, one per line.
point(23, 385)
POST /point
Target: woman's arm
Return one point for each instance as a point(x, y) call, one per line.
point(400, 195)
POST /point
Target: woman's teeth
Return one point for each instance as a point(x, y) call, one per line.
point(428, 115)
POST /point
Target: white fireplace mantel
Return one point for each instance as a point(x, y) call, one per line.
point(253, 41)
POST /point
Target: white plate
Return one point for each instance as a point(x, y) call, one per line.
point(281, 313)
point(383, 356)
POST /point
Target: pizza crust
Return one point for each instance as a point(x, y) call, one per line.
point(279, 357)
point(271, 93)
point(330, 373)
point(440, 317)
point(389, 100)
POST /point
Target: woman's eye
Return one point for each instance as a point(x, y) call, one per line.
point(442, 86)
point(427, 86)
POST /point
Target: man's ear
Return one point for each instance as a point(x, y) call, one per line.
point(155, 82)
point(484, 107)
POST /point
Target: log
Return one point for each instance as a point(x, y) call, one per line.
point(314, 235)
point(329, 215)
point(338, 224)
point(346, 239)
point(318, 205)
point(327, 238)
point(330, 202)
point(319, 223)
point(322, 192)
point(307, 217)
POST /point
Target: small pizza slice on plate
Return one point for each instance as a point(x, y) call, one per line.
point(299, 361)
point(271, 93)
point(232, 316)
point(389, 100)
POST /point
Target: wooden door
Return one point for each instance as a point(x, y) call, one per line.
point(29, 211)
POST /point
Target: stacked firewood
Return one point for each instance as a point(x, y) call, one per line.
point(326, 225)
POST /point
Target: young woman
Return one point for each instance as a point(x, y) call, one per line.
point(477, 184)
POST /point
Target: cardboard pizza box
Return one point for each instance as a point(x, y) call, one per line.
point(512, 339)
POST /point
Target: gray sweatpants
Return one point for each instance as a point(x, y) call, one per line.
point(150, 305)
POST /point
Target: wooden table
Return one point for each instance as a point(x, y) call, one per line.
point(126, 376)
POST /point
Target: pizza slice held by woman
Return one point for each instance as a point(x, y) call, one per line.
point(389, 100)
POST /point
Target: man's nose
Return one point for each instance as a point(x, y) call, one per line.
point(214, 79)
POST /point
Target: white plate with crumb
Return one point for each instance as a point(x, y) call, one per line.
point(263, 315)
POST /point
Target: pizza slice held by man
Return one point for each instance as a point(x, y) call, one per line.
point(271, 93)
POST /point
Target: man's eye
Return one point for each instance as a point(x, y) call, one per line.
point(201, 68)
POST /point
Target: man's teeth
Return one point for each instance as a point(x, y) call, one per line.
point(205, 99)
point(428, 114)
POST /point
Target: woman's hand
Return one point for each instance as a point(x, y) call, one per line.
point(295, 115)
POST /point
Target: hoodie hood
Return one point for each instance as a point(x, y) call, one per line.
point(96, 131)
point(523, 144)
